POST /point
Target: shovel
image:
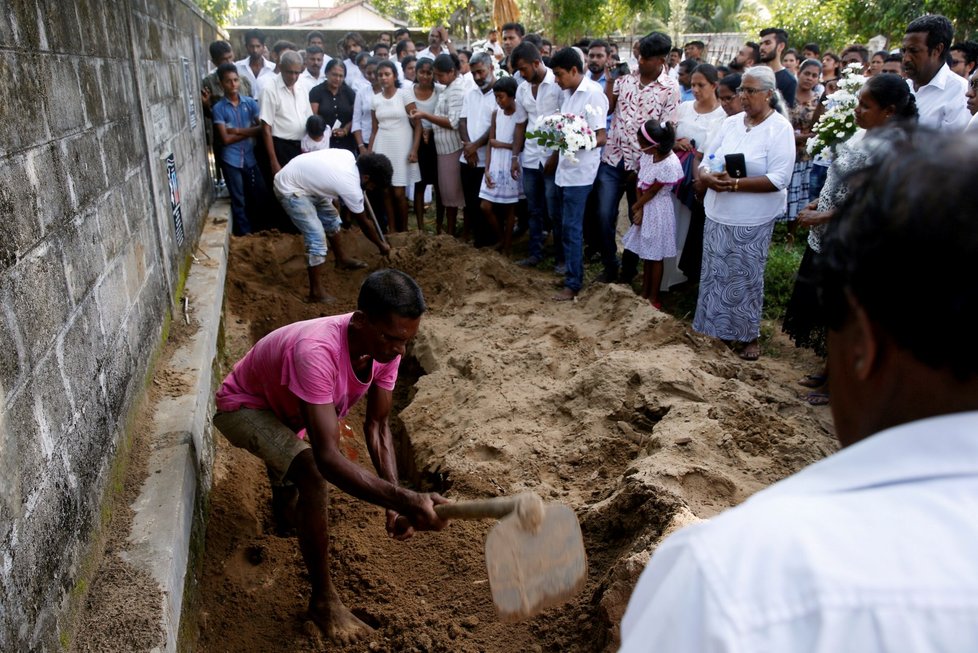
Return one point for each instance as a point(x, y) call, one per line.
point(534, 555)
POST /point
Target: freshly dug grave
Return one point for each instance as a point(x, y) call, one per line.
point(604, 404)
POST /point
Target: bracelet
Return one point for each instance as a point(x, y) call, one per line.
point(362, 145)
point(736, 184)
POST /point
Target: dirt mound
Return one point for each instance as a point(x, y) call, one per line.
point(604, 404)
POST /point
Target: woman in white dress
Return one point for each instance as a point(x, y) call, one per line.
point(397, 137)
point(698, 120)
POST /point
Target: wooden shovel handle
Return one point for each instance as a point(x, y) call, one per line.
point(478, 508)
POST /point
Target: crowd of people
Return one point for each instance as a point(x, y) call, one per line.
point(459, 126)
point(868, 550)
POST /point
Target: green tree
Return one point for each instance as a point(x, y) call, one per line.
point(806, 21)
point(222, 11)
point(891, 17)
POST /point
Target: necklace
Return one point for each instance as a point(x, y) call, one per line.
point(766, 116)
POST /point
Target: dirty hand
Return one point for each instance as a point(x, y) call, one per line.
point(398, 526)
point(422, 513)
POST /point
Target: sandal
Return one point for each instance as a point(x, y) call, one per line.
point(817, 398)
point(814, 380)
point(751, 352)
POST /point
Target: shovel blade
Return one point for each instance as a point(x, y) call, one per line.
point(532, 571)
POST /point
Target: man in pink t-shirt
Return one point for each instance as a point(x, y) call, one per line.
point(307, 376)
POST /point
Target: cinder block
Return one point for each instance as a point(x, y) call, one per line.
point(20, 420)
point(122, 147)
point(116, 26)
point(11, 355)
point(91, 19)
point(63, 92)
point(20, 17)
point(122, 375)
point(53, 401)
point(19, 204)
point(24, 122)
point(37, 291)
point(111, 214)
point(91, 90)
point(91, 453)
point(50, 177)
point(84, 260)
point(82, 352)
point(83, 156)
point(118, 88)
point(61, 25)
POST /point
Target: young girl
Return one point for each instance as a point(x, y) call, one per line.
point(501, 185)
point(317, 135)
point(652, 235)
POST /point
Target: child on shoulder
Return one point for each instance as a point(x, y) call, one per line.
point(652, 235)
point(502, 185)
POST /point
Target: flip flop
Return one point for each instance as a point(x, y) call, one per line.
point(751, 352)
point(817, 398)
point(813, 380)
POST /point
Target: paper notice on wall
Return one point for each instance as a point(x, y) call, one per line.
point(189, 93)
point(171, 174)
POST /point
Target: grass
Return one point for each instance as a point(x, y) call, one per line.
point(783, 260)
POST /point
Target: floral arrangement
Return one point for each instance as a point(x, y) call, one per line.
point(838, 123)
point(566, 132)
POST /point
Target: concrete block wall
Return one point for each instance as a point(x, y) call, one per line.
point(94, 99)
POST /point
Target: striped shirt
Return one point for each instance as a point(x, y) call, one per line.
point(449, 105)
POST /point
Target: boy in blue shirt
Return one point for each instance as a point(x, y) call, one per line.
point(236, 123)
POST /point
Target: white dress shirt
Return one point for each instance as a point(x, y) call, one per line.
point(322, 174)
point(477, 110)
point(941, 103)
point(244, 70)
point(546, 103)
point(769, 150)
point(870, 550)
point(285, 110)
point(973, 123)
point(587, 94)
point(363, 114)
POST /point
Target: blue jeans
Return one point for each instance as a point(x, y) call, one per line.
point(246, 187)
point(572, 202)
point(610, 188)
point(541, 200)
point(315, 219)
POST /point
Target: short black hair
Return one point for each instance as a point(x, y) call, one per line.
point(893, 57)
point(505, 85)
point(313, 35)
point(655, 44)
point(780, 35)
point(969, 48)
point(599, 43)
point(446, 62)
point(254, 34)
point(939, 30)
point(218, 48)
point(812, 47)
point(688, 65)
point(913, 203)
point(883, 54)
point(387, 63)
point(282, 45)
point(755, 49)
point(378, 167)
point(893, 91)
point(731, 81)
point(316, 126)
point(697, 44)
point(402, 30)
point(401, 46)
point(515, 27)
point(671, 50)
point(314, 49)
point(567, 59)
point(525, 51)
point(533, 38)
point(380, 44)
point(224, 69)
point(390, 292)
point(861, 50)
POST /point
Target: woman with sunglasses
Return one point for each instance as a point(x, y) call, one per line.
point(742, 203)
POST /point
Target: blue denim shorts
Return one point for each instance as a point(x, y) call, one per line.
point(315, 219)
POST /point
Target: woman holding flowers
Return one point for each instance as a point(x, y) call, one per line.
point(802, 117)
point(740, 212)
point(885, 100)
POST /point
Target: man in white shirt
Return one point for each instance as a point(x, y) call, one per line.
point(306, 188)
point(872, 549)
point(473, 128)
point(540, 96)
point(939, 92)
point(584, 98)
point(438, 43)
point(255, 67)
point(284, 111)
point(315, 64)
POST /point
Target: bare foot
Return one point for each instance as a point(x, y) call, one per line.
point(339, 624)
point(564, 295)
point(321, 299)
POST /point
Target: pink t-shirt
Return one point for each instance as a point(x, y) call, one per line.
point(308, 361)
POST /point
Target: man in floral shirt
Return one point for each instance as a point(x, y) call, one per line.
point(648, 94)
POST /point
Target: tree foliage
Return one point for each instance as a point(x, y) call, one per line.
point(806, 21)
point(890, 17)
point(223, 12)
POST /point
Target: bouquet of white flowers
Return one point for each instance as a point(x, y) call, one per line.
point(838, 123)
point(566, 132)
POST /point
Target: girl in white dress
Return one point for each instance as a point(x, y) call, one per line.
point(397, 137)
point(502, 184)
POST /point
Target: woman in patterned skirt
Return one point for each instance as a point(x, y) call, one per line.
point(740, 213)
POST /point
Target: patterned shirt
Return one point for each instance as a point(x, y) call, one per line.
point(637, 104)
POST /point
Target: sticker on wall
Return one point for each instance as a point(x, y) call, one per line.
point(171, 175)
point(188, 93)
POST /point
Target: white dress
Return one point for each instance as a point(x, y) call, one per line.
point(698, 127)
point(395, 136)
point(506, 190)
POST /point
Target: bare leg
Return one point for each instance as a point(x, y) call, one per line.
point(655, 281)
point(342, 261)
point(325, 607)
point(317, 291)
point(400, 208)
point(646, 279)
point(507, 237)
point(419, 204)
point(451, 216)
point(439, 209)
point(490, 217)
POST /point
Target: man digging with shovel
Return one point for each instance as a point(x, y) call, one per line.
point(307, 376)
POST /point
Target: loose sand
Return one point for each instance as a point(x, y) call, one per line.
point(604, 404)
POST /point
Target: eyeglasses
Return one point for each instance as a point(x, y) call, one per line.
point(746, 90)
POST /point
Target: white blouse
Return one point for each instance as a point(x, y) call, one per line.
point(769, 150)
point(698, 127)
